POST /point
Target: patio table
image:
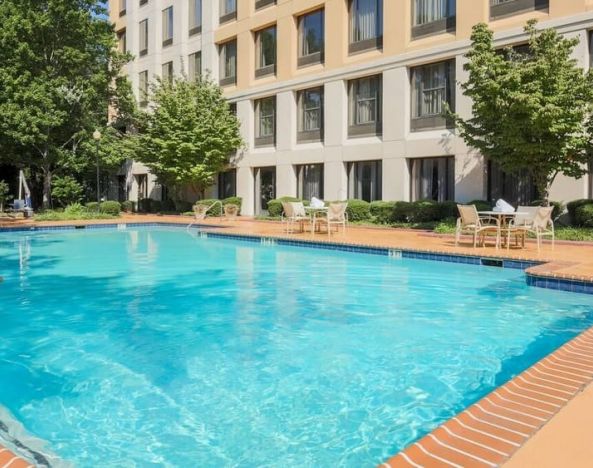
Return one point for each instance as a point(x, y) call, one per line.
point(313, 212)
point(503, 218)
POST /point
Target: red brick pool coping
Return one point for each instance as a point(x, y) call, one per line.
point(489, 432)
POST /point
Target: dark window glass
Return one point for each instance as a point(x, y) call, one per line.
point(433, 179)
point(365, 180)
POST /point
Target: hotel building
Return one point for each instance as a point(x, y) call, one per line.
point(340, 98)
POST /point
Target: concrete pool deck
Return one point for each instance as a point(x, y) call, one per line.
point(540, 418)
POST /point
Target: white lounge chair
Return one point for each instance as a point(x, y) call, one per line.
point(471, 223)
point(334, 216)
point(294, 213)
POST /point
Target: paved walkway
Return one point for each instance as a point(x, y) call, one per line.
point(551, 400)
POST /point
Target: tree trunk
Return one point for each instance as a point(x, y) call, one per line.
point(47, 176)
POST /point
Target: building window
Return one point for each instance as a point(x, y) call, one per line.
point(265, 50)
point(517, 189)
point(432, 17)
point(142, 182)
point(502, 8)
point(365, 106)
point(227, 184)
point(433, 86)
point(228, 63)
point(365, 180)
point(195, 65)
point(233, 108)
point(366, 25)
point(143, 37)
point(122, 41)
point(122, 7)
point(167, 71)
point(195, 17)
point(433, 179)
point(310, 181)
point(310, 115)
point(143, 88)
point(265, 187)
point(263, 3)
point(228, 10)
point(311, 38)
point(265, 121)
point(143, 2)
point(168, 26)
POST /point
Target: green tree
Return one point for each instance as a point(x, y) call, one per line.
point(530, 110)
point(59, 73)
point(66, 190)
point(4, 194)
point(188, 134)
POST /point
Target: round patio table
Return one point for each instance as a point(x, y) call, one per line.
point(503, 218)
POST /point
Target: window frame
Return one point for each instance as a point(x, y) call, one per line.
point(361, 130)
point(301, 170)
point(193, 71)
point(122, 40)
point(224, 79)
point(260, 4)
point(168, 66)
point(143, 88)
point(143, 31)
point(375, 43)
point(515, 7)
point(122, 8)
point(226, 16)
point(265, 70)
point(314, 135)
point(167, 25)
point(447, 24)
point(354, 170)
point(449, 177)
point(193, 8)
point(426, 122)
point(315, 57)
point(260, 140)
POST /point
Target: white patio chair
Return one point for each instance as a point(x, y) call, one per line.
point(541, 225)
point(294, 213)
point(471, 223)
point(334, 216)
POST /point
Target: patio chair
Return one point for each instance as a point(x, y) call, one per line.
point(334, 216)
point(519, 225)
point(471, 223)
point(541, 225)
point(294, 213)
point(231, 211)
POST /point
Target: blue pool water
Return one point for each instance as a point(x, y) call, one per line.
point(151, 346)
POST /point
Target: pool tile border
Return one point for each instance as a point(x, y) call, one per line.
point(490, 431)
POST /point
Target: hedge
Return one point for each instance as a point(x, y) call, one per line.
point(110, 207)
point(93, 207)
point(358, 210)
point(382, 211)
point(145, 205)
point(127, 206)
point(572, 208)
point(584, 215)
point(216, 210)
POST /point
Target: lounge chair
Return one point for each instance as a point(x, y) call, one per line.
point(540, 224)
point(294, 213)
point(334, 216)
point(471, 223)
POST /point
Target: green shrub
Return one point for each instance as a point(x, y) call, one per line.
point(127, 206)
point(558, 207)
point(448, 210)
point(92, 207)
point(75, 209)
point(66, 190)
point(584, 215)
point(215, 210)
point(402, 211)
point(572, 209)
point(358, 210)
point(110, 207)
point(4, 194)
point(168, 205)
point(233, 201)
point(383, 211)
point(424, 211)
point(183, 206)
point(156, 206)
point(145, 205)
point(481, 205)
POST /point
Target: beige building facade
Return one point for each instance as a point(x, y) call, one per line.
point(343, 98)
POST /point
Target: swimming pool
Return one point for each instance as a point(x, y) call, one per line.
point(156, 346)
